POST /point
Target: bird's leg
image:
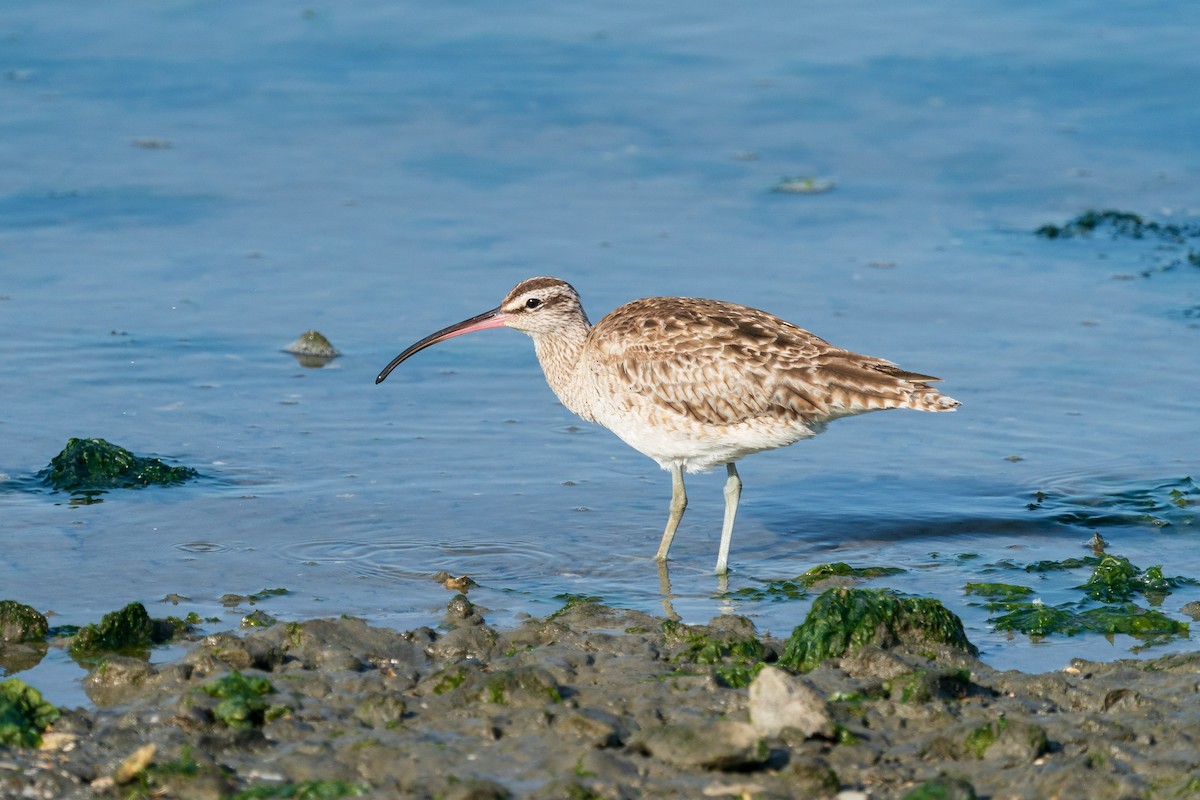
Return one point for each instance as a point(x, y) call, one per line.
point(678, 506)
point(733, 493)
point(664, 586)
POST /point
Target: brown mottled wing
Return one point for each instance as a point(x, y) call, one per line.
point(721, 363)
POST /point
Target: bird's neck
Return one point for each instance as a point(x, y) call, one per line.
point(559, 354)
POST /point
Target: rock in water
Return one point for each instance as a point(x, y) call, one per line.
point(312, 349)
point(94, 464)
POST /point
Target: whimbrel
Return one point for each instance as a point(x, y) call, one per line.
point(694, 383)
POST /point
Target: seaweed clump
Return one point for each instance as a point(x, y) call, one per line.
point(21, 623)
point(843, 621)
point(1172, 237)
point(1114, 581)
point(127, 629)
point(94, 464)
point(242, 698)
point(24, 715)
point(797, 588)
point(1121, 223)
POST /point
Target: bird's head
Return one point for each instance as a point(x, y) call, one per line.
point(537, 306)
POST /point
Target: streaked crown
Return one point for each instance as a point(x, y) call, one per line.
point(542, 305)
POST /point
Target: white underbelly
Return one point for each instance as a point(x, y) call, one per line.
point(671, 439)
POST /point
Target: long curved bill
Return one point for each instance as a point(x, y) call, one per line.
point(488, 319)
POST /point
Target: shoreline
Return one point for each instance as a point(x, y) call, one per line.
point(598, 702)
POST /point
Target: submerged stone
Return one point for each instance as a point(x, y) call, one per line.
point(94, 464)
point(24, 715)
point(843, 621)
point(312, 349)
point(20, 623)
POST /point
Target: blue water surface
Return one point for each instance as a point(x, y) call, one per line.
point(185, 187)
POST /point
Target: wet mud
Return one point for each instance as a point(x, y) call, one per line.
point(599, 702)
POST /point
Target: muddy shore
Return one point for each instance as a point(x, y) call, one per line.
point(598, 702)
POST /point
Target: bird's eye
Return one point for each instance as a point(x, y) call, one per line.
point(532, 302)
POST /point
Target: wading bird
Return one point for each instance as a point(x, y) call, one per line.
point(694, 383)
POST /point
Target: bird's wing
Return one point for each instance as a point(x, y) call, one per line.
point(721, 363)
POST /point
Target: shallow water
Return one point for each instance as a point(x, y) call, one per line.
point(188, 187)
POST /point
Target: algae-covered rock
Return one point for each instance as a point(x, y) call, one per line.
point(130, 628)
point(843, 621)
point(840, 569)
point(723, 744)
point(729, 643)
point(810, 778)
point(20, 623)
point(117, 678)
point(243, 699)
point(94, 464)
point(24, 715)
point(943, 787)
point(923, 685)
point(1014, 742)
point(521, 686)
point(312, 349)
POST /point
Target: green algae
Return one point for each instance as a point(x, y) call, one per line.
point(571, 601)
point(512, 685)
point(1112, 580)
point(21, 623)
point(1039, 621)
point(1115, 579)
point(24, 715)
point(998, 591)
point(843, 621)
point(737, 659)
point(263, 594)
point(797, 588)
point(924, 685)
point(258, 619)
point(449, 680)
point(1170, 240)
point(243, 699)
point(980, 739)
point(803, 184)
point(840, 569)
point(303, 790)
point(942, 787)
point(129, 629)
point(1122, 224)
point(772, 591)
point(1132, 620)
point(94, 465)
point(998, 596)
